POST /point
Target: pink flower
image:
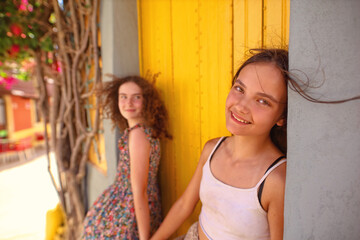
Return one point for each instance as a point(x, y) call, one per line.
point(23, 5)
point(8, 81)
point(58, 66)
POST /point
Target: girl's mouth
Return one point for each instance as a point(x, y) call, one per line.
point(240, 120)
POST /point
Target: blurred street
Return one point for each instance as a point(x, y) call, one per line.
point(26, 194)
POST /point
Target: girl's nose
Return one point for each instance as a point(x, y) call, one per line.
point(129, 101)
point(242, 105)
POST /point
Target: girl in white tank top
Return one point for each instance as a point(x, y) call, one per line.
point(229, 212)
point(240, 187)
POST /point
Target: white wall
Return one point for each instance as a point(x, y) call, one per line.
point(120, 57)
point(323, 180)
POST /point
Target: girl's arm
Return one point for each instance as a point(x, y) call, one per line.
point(273, 196)
point(185, 205)
point(139, 149)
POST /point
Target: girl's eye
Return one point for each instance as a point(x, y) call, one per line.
point(239, 89)
point(122, 97)
point(138, 97)
point(264, 102)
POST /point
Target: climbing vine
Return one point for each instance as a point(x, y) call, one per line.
point(56, 42)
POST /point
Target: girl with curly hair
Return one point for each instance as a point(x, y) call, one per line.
point(130, 207)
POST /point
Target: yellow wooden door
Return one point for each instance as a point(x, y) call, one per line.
point(194, 47)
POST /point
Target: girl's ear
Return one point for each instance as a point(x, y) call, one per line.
point(280, 122)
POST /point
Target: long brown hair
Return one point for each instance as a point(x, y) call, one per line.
point(154, 111)
point(279, 57)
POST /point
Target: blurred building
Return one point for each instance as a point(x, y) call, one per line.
point(21, 127)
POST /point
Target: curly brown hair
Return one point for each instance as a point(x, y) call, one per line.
point(154, 110)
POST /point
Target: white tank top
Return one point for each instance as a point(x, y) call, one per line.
point(231, 213)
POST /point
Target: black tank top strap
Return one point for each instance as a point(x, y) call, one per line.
point(261, 187)
point(217, 146)
point(274, 163)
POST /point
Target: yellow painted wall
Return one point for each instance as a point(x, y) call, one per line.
point(196, 46)
point(96, 154)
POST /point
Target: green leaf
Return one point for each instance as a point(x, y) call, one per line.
point(24, 76)
point(47, 45)
point(3, 74)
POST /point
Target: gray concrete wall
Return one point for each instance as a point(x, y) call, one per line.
point(323, 180)
point(120, 57)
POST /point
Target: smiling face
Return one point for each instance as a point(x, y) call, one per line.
point(131, 103)
point(256, 101)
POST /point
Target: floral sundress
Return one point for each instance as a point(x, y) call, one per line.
point(112, 216)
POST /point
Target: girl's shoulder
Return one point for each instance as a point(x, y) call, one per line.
point(145, 134)
point(137, 126)
point(209, 147)
point(140, 127)
point(278, 175)
point(213, 143)
point(274, 188)
point(138, 137)
point(210, 144)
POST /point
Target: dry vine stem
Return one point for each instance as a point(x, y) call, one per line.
point(76, 41)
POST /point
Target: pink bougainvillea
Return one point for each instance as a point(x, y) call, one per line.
point(8, 81)
point(25, 6)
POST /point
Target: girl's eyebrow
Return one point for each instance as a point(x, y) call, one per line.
point(267, 96)
point(259, 93)
point(240, 82)
point(130, 94)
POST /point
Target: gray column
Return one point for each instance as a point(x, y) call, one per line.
point(322, 198)
point(120, 57)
